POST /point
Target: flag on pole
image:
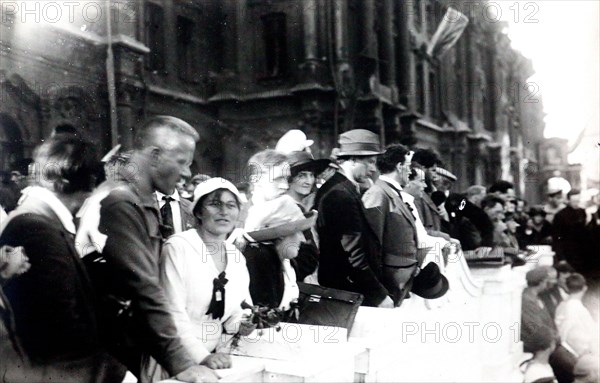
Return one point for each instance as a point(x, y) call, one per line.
point(448, 32)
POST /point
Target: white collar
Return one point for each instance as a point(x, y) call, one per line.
point(407, 197)
point(175, 195)
point(50, 199)
point(391, 181)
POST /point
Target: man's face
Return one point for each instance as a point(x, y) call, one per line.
point(404, 169)
point(417, 186)
point(271, 182)
point(510, 206)
point(363, 168)
point(512, 226)
point(495, 212)
point(555, 200)
point(562, 278)
point(173, 164)
point(575, 201)
point(509, 195)
point(552, 278)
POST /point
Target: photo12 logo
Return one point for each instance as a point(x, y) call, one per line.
point(67, 12)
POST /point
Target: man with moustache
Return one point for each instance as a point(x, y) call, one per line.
point(134, 303)
point(350, 258)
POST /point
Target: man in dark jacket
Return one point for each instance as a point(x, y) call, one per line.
point(130, 220)
point(54, 322)
point(428, 211)
point(569, 233)
point(349, 249)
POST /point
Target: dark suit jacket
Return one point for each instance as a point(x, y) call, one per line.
point(53, 302)
point(551, 299)
point(349, 258)
point(266, 276)
point(481, 221)
point(533, 319)
point(428, 213)
point(131, 223)
point(392, 223)
point(569, 237)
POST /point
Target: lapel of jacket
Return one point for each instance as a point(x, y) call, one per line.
point(396, 201)
point(427, 199)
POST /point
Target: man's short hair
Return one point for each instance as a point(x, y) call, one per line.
point(393, 155)
point(575, 283)
point(427, 157)
point(490, 200)
point(143, 135)
point(68, 163)
point(537, 276)
point(475, 190)
point(501, 186)
point(263, 161)
point(564, 267)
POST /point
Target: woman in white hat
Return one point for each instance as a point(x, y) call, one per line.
point(205, 279)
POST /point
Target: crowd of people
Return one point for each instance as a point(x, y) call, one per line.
point(131, 263)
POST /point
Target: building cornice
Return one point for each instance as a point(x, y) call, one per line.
point(177, 95)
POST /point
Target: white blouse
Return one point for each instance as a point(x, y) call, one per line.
point(576, 327)
point(187, 271)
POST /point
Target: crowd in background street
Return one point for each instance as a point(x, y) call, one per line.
point(133, 263)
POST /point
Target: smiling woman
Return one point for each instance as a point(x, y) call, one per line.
point(205, 279)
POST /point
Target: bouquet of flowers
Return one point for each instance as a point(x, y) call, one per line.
point(260, 318)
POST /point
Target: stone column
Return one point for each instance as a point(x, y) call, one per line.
point(403, 59)
point(340, 21)
point(388, 44)
point(369, 38)
point(309, 17)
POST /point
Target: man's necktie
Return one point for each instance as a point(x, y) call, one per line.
point(166, 215)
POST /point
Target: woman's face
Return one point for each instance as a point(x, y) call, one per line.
point(303, 183)
point(219, 213)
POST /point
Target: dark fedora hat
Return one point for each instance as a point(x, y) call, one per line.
point(430, 283)
point(359, 142)
point(304, 161)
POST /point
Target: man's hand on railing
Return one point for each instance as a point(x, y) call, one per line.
point(198, 374)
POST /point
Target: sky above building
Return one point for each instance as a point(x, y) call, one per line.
point(563, 40)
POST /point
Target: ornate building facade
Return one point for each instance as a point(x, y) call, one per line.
point(245, 71)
